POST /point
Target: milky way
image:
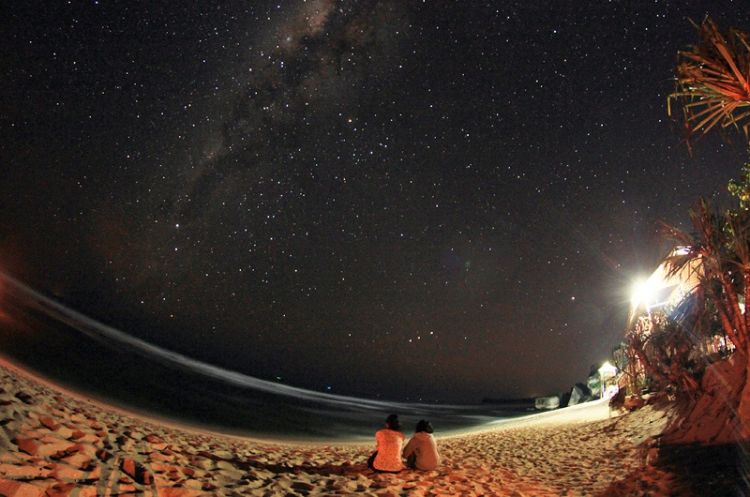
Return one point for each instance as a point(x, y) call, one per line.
point(388, 199)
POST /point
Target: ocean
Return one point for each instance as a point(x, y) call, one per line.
point(88, 357)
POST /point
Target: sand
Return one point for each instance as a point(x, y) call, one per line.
point(56, 444)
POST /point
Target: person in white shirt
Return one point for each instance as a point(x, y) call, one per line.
point(421, 451)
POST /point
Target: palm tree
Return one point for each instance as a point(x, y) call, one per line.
point(713, 90)
point(720, 243)
point(664, 349)
point(713, 81)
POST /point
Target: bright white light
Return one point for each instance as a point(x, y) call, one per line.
point(645, 292)
point(607, 370)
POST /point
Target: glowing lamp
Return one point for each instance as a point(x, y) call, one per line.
point(645, 292)
point(607, 370)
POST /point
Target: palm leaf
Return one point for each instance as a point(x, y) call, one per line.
point(713, 81)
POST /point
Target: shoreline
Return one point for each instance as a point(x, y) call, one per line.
point(54, 442)
point(595, 410)
point(154, 418)
point(6, 363)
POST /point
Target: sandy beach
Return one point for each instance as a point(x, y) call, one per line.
point(56, 444)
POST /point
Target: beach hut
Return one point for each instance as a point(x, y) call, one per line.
point(669, 294)
point(607, 377)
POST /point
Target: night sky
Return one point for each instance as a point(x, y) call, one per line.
point(392, 199)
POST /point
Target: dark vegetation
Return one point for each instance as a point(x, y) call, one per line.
point(673, 352)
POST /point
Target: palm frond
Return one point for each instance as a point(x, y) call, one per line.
point(713, 81)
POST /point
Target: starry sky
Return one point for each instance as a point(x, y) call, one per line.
point(407, 200)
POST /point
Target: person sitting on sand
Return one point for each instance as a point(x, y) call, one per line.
point(390, 441)
point(421, 451)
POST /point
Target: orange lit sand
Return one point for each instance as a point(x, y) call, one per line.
point(55, 444)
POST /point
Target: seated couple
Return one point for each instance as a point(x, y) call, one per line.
point(420, 453)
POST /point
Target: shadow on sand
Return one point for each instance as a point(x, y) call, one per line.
point(690, 471)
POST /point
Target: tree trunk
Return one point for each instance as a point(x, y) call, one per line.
point(734, 310)
point(728, 325)
point(743, 410)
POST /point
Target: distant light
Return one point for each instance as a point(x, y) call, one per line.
point(607, 370)
point(681, 251)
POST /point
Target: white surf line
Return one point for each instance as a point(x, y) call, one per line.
point(107, 334)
